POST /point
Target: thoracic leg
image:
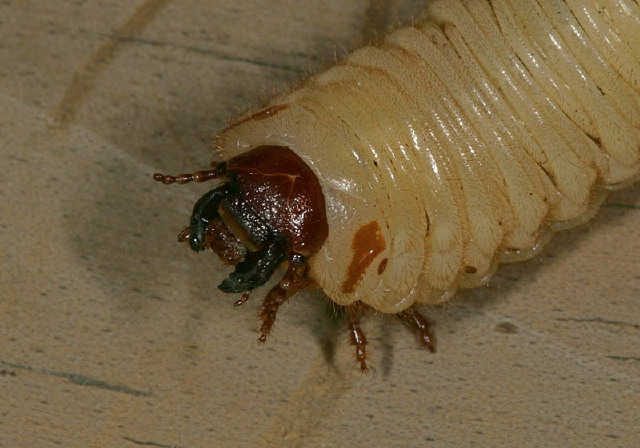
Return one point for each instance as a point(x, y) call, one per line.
point(356, 335)
point(421, 327)
point(293, 282)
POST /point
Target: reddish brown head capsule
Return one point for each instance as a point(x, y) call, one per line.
point(269, 210)
point(277, 185)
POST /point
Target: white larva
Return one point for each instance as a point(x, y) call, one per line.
point(454, 145)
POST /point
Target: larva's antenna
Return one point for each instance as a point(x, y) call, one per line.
point(217, 172)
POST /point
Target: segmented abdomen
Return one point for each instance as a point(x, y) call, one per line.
point(462, 142)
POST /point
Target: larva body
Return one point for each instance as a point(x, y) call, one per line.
point(449, 142)
point(459, 143)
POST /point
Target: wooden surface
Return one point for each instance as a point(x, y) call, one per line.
point(113, 335)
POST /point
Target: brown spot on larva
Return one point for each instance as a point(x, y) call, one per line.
point(506, 327)
point(382, 266)
point(367, 244)
point(260, 115)
point(470, 269)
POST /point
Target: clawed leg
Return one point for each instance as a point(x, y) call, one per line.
point(293, 282)
point(356, 335)
point(421, 327)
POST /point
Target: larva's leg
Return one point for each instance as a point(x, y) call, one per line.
point(421, 326)
point(356, 335)
point(293, 282)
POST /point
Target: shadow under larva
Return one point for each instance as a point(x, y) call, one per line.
point(419, 163)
